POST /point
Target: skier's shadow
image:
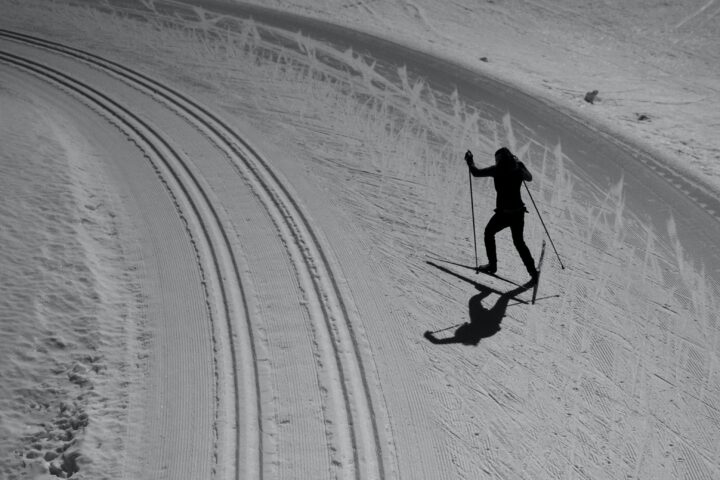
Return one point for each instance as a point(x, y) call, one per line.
point(484, 322)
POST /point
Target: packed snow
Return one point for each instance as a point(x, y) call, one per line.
point(655, 64)
point(68, 296)
point(237, 283)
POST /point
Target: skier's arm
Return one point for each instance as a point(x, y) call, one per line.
point(477, 172)
point(524, 172)
point(481, 172)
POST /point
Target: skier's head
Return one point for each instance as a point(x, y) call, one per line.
point(505, 159)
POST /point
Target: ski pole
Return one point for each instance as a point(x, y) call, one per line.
point(442, 329)
point(472, 209)
point(543, 224)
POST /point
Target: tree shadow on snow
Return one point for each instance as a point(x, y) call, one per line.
point(484, 322)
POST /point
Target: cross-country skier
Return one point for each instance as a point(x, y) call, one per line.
point(508, 174)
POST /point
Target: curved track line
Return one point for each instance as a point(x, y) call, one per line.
point(181, 183)
point(694, 15)
point(309, 251)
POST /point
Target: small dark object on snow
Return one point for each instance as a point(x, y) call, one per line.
point(642, 117)
point(484, 59)
point(590, 97)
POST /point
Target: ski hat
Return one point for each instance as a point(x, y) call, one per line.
point(505, 158)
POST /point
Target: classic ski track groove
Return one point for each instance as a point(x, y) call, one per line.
point(287, 215)
point(171, 167)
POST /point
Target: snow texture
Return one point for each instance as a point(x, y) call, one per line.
point(221, 251)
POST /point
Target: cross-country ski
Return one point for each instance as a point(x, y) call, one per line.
point(536, 281)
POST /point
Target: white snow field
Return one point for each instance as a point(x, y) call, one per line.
point(225, 240)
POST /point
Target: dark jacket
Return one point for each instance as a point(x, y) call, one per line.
point(508, 181)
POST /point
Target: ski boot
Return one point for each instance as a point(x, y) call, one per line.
point(490, 269)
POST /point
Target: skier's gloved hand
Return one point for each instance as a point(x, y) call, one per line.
point(469, 158)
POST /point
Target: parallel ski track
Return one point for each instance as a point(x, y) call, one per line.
point(185, 188)
point(352, 391)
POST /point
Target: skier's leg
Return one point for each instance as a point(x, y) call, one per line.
point(495, 224)
point(517, 226)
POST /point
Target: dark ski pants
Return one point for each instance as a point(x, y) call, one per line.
point(516, 222)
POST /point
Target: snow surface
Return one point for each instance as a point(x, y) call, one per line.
point(187, 304)
point(68, 291)
point(653, 58)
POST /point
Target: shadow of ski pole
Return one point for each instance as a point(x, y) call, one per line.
point(475, 284)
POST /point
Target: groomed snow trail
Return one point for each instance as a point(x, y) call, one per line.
point(175, 413)
point(612, 374)
point(271, 293)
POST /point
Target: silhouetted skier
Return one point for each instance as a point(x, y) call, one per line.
point(508, 174)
